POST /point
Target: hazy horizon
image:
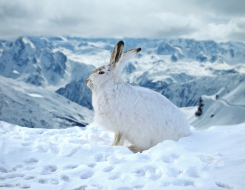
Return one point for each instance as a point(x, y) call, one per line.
point(220, 20)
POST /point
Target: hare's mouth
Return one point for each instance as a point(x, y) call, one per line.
point(89, 83)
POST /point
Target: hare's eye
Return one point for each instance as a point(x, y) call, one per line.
point(101, 72)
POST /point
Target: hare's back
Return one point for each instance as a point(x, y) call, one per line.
point(143, 106)
point(156, 115)
point(152, 104)
point(151, 99)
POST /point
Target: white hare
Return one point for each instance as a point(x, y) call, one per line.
point(139, 115)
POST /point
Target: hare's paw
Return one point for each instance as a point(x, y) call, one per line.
point(135, 149)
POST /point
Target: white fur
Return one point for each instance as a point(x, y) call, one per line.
point(139, 115)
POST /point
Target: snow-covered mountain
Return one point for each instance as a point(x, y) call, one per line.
point(181, 69)
point(24, 61)
point(225, 107)
point(34, 107)
point(188, 93)
point(77, 90)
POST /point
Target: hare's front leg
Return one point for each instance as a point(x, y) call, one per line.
point(117, 139)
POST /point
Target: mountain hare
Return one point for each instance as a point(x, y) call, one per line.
point(139, 115)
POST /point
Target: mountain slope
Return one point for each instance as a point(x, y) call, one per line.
point(161, 65)
point(32, 63)
point(188, 93)
point(181, 69)
point(27, 105)
point(226, 107)
point(77, 90)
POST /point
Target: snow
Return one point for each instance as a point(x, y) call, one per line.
point(36, 95)
point(213, 157)
point(226, 107)
point(27, 41)
point(62, 64)
point(31, 106)
point(189, 112)
point(16, 72)
point(82, 158)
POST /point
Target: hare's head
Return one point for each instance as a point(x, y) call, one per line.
point(109, 75)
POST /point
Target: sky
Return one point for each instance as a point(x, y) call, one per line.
point(219, 20)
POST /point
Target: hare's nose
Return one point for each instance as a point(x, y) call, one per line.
point(87, 80)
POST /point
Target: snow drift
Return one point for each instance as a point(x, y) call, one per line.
point(81, 158)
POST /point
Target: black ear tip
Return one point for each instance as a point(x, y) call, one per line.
point(138, 50)
point(120, 43)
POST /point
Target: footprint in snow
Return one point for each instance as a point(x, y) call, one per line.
point(43, 181)
point(211, 160)
point(108, 169)
point(192, 172)
point(64, 178)
point(138, 186)
point(22, 186)
point(83, 187)
point(17, 167)
point(182, 182)
point(28, 177)
point(42, 147)
point(223, 185)
point(72, 152)
point(69, 167)
point(49, 169)
point(54, 181)
point(6, 185)
point(87, 175)
point(100, 157)
point(31, 161)
point(29, 168)
point(17, 137)
point(91, 165)
point(97, 186)
point(54, 149)
point(114, 176)
point(174, 172)
point(149, 172)
point(25, 186)
point(170, 158)
point(13, 175)
point(165, 184)
point(26, 144)
point(3, 170)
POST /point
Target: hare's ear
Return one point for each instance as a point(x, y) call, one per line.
point(129, 54)
point(116, 54)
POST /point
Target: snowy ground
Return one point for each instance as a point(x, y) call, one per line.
point(81, 158)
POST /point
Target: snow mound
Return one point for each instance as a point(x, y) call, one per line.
point(82, 158)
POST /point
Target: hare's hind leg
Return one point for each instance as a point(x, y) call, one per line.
point(117, 139)
point(135, 149)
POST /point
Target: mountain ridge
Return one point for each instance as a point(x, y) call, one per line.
point(181, 69)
